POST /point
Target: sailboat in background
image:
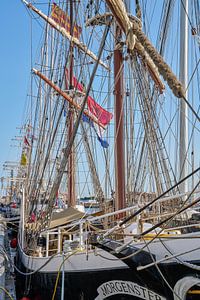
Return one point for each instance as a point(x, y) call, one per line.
point(102, 124)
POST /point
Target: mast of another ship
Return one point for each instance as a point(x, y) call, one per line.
point(71, 160)
point(183, 138)
point(119, 122)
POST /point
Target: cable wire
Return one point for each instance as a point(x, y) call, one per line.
point(58, 274)
point(7, 292)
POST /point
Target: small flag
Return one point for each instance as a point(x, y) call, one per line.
point(104, 143)
point(23, 159)
point(26, 142)
point(97, 130)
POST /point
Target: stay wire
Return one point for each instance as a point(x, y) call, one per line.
point(157, 198)
point(149, 242)
point(187, 14)
point(160, 272)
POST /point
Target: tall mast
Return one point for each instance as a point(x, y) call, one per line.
point(71, 161)
point(183, 139)
point(119, 125)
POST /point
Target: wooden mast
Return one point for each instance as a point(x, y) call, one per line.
point(71, 160)
point(119, 124)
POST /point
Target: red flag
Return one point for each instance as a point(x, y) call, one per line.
point(102, 115)
point(26, 142)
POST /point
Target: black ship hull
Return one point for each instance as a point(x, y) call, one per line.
point(106, 284)
point(157, 282)
point(154, 283)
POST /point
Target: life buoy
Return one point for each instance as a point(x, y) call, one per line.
point(183, 285)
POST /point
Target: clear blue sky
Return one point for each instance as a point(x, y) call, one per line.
point(14, 74)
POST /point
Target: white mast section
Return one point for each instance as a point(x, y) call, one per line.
point(183, 139)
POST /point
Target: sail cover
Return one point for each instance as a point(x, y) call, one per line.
point(66, 216)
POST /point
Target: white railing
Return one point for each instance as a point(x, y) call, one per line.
point(62, 230)
point(81, 223)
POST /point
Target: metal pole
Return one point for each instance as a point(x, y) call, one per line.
point(71, 159)
point(63, 279)
point(2, 264)
point(47, 244)
point(81, 236)
point(59, 240)
point(22, 217)
point(183, 139)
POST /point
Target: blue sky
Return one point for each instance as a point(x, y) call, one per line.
point(14, 75)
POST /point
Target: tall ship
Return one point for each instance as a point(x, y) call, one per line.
point(108, 175)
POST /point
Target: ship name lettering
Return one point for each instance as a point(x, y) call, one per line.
point(117, 284)
point(115, 287)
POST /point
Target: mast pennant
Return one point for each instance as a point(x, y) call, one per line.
point(63, 20)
